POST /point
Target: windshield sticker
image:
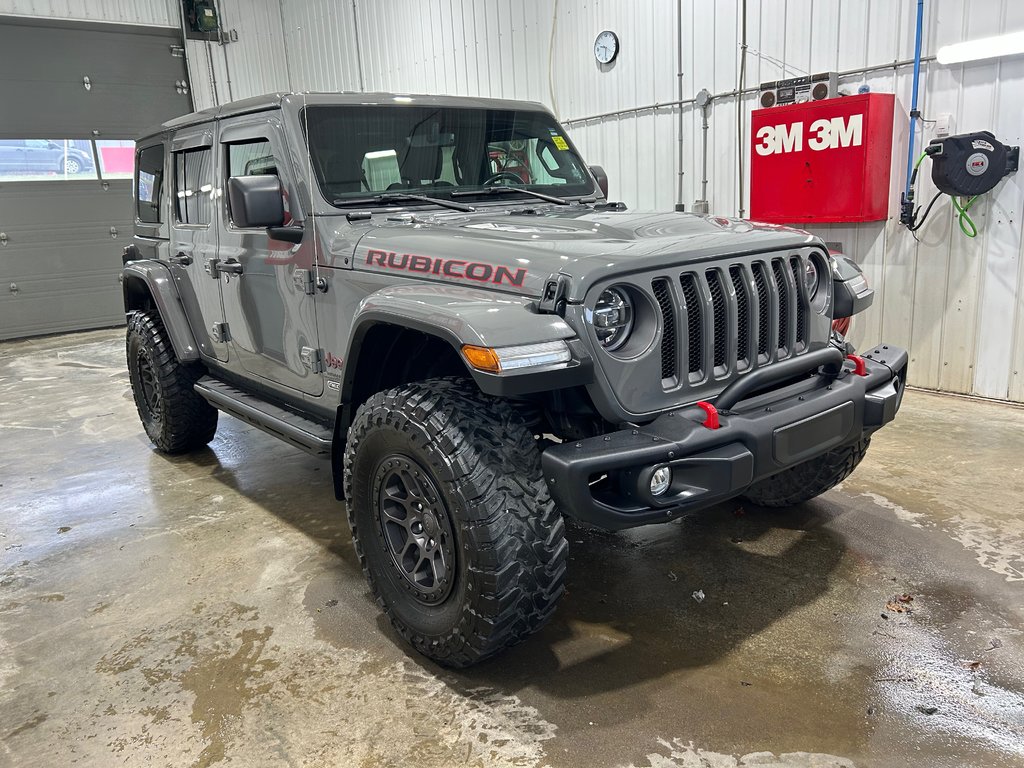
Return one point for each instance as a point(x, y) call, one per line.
point(560, 142)
point(456, 268)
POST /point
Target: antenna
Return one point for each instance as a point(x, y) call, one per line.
point(309, 182)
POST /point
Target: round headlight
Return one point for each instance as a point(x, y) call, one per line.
point(613, 318)
point(811, 278)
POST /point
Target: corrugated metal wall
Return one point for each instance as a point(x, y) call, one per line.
point(253, 65)
point(154, 13)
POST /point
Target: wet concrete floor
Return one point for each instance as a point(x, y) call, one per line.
point(208, 609)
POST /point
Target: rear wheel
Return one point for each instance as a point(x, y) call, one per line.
point(174, 416)
point(72, 166)
point(452, 520)
point(812, 478)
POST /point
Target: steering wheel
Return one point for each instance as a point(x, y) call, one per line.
point(503, 176)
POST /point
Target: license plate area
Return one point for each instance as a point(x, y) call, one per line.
point(814, 435)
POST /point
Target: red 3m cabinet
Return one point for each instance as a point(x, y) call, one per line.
point(822, 161)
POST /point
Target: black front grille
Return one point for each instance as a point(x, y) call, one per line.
point(742, 313)
point(694, 321)
point(751, 314)
point(721, 320)
point(663, 295)
point(764, 307)
point(783, 291)
point(801, 309)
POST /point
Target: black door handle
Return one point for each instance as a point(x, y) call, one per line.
point(180, 258)
point(234, 267)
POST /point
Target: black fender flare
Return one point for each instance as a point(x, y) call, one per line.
point(154, 277)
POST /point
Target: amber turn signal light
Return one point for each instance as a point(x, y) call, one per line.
point(482, 358)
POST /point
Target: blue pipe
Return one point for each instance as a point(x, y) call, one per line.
point(913, 99)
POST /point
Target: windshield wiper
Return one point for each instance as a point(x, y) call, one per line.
point(506, 190)
point(397, 197)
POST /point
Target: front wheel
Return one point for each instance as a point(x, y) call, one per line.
point(809, 479)
point(72, 166)
point(452, 520)
point(174, 416)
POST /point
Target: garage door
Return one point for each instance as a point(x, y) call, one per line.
point(74, 96)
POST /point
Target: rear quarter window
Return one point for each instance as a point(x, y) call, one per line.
point(149, 184)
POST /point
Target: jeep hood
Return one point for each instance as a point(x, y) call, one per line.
point(518, 249)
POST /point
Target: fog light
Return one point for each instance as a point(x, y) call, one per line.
point(661, 478)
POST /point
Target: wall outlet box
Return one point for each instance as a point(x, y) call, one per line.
point(943, 125)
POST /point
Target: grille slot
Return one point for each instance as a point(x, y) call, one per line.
point(801, 310)
point(720, 316)
point(763, 308)
point(783, 288)
point(742, 313)
point(694, 322)
point(663, 295)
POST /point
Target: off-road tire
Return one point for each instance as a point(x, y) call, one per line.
point(509, 539)
point(812, 478)
point(175, 417)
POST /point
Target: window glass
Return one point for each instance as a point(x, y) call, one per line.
point(251, 158)
point(361, 150)
point(117, 158)
point(192, 186)
point(149, 187)
point(255, 158)
point(46, 159)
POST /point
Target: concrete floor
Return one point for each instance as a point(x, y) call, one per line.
point(208, 609)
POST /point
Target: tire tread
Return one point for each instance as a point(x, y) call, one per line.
point(515, 535)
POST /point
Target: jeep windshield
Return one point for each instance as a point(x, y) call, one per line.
point(360, 153)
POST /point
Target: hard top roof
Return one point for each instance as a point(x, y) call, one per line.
point(276, 100)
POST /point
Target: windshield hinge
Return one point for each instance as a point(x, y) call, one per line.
point(312, 359)
point(303, 280)
point(220, 333)
point(552, 300)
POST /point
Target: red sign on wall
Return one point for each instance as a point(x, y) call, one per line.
point(822, 161)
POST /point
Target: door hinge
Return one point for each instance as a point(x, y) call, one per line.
point(211, 268)
point(312, 359)
point(219, 332)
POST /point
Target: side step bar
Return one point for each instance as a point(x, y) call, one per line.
point(313, 437)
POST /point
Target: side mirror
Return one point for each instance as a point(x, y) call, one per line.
point(602, 179)
point(256, 201)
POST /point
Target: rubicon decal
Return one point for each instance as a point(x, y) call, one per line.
point(459, 269)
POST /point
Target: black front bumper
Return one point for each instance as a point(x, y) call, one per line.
point(605, 480)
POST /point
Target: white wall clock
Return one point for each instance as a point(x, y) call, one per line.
point(606, 47)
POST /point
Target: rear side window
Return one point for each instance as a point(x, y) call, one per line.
point(193, 182)
point(149, 184)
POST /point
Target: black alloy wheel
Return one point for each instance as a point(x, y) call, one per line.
point(415, 528)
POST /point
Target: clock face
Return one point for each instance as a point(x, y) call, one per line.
point(606, 47)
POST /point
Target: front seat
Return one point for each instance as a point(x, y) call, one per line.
point(343, 173)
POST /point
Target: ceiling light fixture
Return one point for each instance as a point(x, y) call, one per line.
point(984, 48)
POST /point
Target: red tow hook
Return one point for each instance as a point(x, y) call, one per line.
point(859, 366)
point(711, 422)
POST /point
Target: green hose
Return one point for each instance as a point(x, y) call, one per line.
point(967, 225)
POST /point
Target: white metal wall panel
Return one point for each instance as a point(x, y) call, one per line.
point(253, 65)
point(320, 44)
point(957, 303)
point(156, 13)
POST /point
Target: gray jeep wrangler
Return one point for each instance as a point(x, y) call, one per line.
point(434, 295)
